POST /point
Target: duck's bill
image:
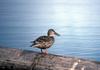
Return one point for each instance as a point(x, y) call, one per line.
point(57, 34)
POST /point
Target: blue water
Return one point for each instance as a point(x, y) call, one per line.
point(77, 21)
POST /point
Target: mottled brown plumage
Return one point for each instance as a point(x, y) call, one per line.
point(44, 42)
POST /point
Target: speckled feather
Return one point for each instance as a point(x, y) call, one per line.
point(43, 42)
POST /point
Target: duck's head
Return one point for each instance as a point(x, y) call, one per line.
point(51, 32)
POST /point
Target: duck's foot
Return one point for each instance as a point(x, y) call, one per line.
point(44, 52)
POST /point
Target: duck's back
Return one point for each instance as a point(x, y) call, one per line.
point(44, 42)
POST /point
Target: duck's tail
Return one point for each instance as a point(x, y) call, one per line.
point(35, 44)
point(32, 43)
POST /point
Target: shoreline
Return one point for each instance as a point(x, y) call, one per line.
point(30, 60)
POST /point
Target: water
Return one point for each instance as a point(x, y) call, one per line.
point(78, 23)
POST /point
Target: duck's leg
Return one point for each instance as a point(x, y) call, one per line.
point(46, 51)
point(41, 51)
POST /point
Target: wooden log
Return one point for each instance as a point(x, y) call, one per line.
point(15, 59)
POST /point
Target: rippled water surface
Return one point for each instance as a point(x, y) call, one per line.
point(77, 21)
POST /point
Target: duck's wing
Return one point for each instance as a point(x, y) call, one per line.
point(43, 41)
point(38, 40)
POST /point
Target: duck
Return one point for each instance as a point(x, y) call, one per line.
point(46, 41)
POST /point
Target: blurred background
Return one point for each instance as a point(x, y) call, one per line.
point(77, 21)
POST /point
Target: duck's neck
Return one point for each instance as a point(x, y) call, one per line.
point(51, 35)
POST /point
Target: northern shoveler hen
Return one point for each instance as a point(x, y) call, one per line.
point(44, 42)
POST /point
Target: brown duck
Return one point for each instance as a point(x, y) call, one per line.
point(44, 42)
